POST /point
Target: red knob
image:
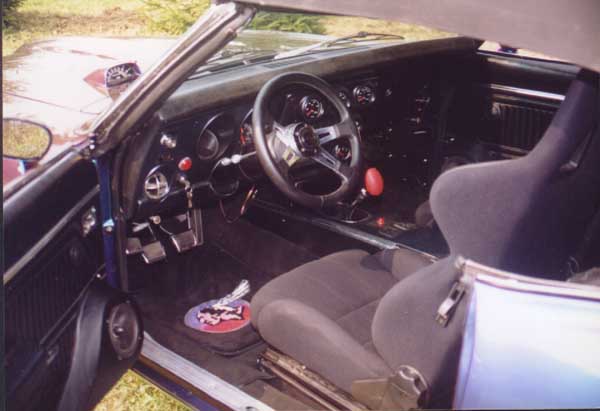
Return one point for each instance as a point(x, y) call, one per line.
point(185, 164)
point(374, 182)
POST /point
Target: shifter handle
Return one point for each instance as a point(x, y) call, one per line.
point(373, 182)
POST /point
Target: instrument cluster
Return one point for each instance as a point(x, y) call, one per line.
point(195, 148)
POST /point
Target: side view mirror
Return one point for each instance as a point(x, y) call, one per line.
point(24, 139)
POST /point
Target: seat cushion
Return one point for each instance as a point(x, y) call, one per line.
point(321, 312)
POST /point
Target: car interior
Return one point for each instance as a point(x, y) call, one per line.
point(342, 185)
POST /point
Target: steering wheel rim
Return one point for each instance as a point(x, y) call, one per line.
point(278, 148)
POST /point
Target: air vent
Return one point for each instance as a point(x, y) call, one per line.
point(156, 186)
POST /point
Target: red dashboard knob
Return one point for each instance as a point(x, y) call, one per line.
point(374, 182)
point(185, 164)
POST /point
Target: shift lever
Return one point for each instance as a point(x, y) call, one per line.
point(373, 187)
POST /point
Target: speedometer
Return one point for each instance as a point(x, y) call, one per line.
point(311, 107)
point(364, 95)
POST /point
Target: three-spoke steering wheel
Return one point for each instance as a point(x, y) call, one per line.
point(280, 147)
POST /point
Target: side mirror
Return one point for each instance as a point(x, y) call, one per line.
point(24, 139)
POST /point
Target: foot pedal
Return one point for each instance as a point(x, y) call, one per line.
point(185, 230)
point(184, 241)
point(134, 246)
point(153, 252)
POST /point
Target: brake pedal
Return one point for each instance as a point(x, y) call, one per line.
point(153, 252)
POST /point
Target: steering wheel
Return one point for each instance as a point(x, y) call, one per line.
point(279, 147)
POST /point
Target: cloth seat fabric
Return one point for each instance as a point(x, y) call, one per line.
point(332, 302)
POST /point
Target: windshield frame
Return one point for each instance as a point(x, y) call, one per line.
point(212, 31)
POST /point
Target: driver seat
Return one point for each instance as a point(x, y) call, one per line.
point(353, 316)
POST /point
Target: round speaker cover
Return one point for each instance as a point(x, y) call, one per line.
point(124, 330)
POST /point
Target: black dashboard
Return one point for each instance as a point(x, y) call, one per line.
point(392, 104)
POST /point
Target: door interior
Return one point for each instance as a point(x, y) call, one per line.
point(60, 316)
point(504, 107)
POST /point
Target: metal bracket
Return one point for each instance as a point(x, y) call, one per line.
point(458, 290)
point(89, 221)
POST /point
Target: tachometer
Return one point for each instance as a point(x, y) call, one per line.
point(364, 95)
point(246, 134)
point(312, 107)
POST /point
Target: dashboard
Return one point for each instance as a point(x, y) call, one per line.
point(204, 131)
point(196, 147)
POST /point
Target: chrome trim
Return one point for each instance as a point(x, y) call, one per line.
point(517, 282)
point(45, 240)
point(525, 92)
point(201, 379)
point(156, 185)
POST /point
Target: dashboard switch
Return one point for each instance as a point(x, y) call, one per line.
point(185, 164)
point(168, 141)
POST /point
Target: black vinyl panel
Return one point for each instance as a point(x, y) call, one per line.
point(33, 211)
point(41, 304)
point(517, 126)
point(483, 123)
point(45, 379)
point(38, 300)
point(41, 298)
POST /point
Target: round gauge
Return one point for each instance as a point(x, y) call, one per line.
point(246, 134)
point(312, 108)
point(207, 145)
point(364, 95)
point(345, 99)
point(342, 152)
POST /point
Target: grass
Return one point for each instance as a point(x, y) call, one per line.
point(343, 26)
point(43, 19)
point(134, 393)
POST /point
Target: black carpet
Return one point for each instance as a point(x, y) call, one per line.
point(232, 252)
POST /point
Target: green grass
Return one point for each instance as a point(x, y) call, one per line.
point(134, 393)
point(43, 19)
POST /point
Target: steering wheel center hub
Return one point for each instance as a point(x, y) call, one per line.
point(307, 139)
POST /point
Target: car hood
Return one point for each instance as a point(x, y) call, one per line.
point(567, 30)
point(57, 72)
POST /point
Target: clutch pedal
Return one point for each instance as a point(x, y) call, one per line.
point(148, 246)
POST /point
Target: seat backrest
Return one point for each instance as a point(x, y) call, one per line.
point(526, 215)
point(523, 215)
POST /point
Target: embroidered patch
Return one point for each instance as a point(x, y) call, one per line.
point(211, 317)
